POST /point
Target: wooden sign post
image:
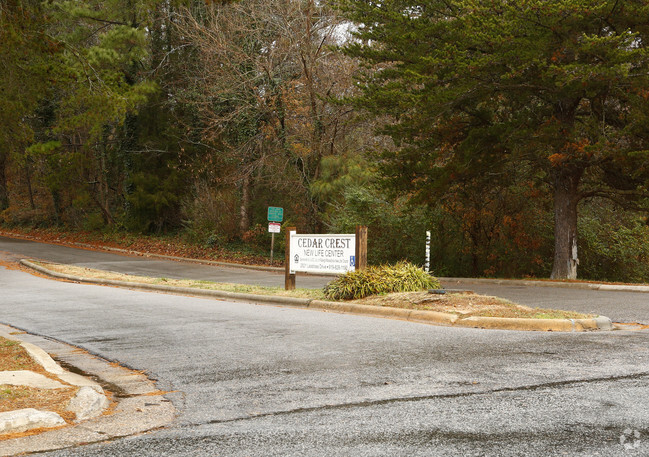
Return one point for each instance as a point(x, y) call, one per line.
point(289, 279)
point(361, 247)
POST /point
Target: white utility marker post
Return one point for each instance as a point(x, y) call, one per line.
point(427, 251)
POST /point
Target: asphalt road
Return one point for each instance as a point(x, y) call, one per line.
point(619, 306)
point(145, 266)
point(255, 380)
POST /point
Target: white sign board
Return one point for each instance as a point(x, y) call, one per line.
point(274, 227)
point(322, 253)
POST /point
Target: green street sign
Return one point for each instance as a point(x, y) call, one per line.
point(275, 214)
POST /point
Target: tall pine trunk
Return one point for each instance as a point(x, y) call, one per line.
point(566, 198)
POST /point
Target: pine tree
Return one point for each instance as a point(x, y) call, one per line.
point(559, 86)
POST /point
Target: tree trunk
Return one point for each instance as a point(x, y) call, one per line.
point(4, 192)
point(566, 198)
point(56, 204)
point(244, 222)
point(30, 191)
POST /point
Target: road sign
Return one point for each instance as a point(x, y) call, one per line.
point(322, 253)
point(275, 214)
point(273, 228)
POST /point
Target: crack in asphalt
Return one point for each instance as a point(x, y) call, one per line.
point(360, 404)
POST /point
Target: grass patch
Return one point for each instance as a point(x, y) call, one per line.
point(9, 393)
point(14, 357)
point(467, 305)
point(18, 397)
point(91, 273)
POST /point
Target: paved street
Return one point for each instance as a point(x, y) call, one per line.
point(619, 306)
point(144, 266)
point(253, 380)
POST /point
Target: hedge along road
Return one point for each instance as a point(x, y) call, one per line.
point(620, 306)
point(262, 380)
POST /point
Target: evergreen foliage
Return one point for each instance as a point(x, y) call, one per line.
point(488, 123)
point(556, 86)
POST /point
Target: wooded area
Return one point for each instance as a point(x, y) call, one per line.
point(515, 131)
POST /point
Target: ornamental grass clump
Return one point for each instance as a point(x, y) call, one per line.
point(376, 280)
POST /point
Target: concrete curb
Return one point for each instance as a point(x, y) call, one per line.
point(287, 301)
point(23, 420)
point(428, 317)
point(139, 405)
point(539, 283)
point(89, 403)
point(43, 359)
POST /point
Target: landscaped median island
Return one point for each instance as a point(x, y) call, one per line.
point(467, 304)
point(412, 301)
point(92, 274)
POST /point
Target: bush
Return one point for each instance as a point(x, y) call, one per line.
point(397, 230)
point(210, 216)
point(374, 280)
point(614, 245)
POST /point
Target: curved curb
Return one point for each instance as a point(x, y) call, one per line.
point(26, 419)
point(85, 406)
point(545, 325)
point(420, 316)
point(288, 301)
point(539, 283)
point(140, 405)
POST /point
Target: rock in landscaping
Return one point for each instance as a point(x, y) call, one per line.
point(88, 403)
point(22, 420)
point(29, 379)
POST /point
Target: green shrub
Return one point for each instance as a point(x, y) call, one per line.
point(397, 230)
point(613, 244)
point(374, 280)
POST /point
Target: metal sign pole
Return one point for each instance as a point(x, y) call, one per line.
point(275, 215)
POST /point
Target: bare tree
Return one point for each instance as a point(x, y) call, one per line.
point(264, 89)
